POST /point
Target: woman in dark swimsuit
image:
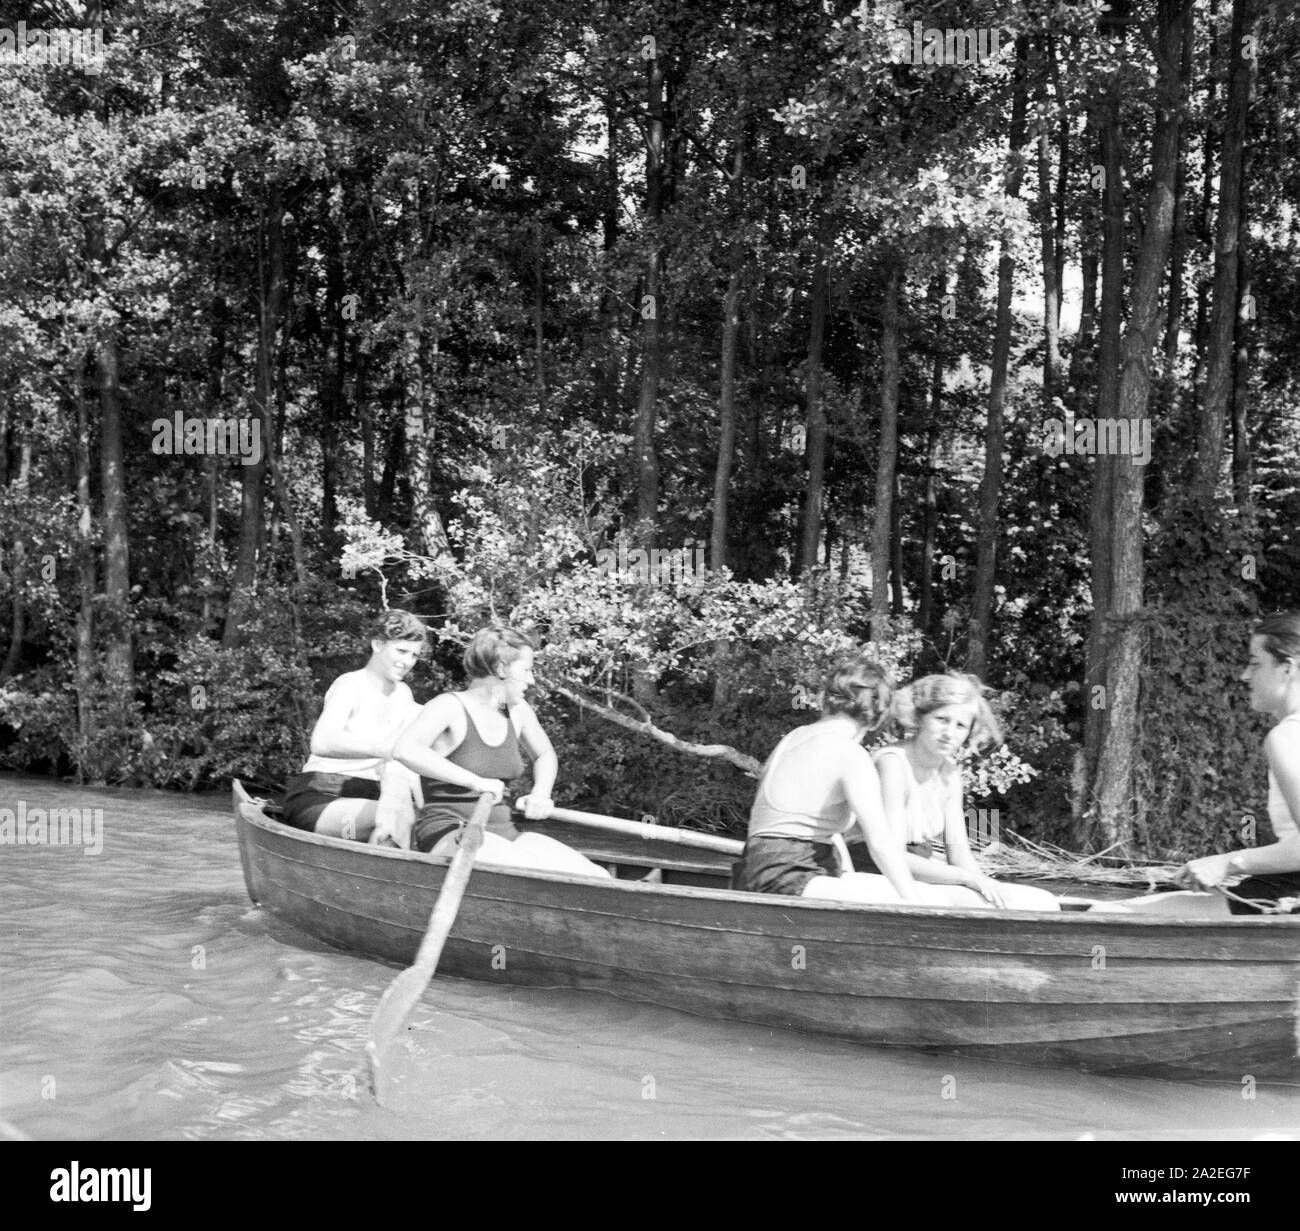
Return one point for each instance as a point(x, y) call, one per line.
point(466, 743)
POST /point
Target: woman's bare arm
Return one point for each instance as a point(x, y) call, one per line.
point(537, 803)
point(862, 789)
point(414, 748)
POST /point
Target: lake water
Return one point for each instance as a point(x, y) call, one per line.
point(142, 997)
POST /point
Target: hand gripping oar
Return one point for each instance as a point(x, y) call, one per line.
point(402, 993)
point(648, 831)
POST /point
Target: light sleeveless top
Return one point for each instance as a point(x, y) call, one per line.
point(374, 713)
point(927, 802)
point(827, 812)
point(1284, 824)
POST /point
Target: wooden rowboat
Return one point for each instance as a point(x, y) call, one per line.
point(1117, 994)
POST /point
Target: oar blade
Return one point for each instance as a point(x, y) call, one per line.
point(399, 998)
point(402, 994)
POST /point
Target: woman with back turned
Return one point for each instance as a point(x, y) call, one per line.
point(817, 781)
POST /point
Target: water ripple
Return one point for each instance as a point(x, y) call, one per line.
point(143, 997)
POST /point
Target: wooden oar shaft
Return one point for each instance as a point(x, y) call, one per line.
point(649, 831)
point(404, 992)
point(447, 906)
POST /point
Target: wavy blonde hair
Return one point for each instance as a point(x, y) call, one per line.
point(931, 692)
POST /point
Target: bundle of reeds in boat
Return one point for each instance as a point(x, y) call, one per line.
point(1014, 857)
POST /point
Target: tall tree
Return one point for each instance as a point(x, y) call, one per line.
point(1114, 787)
point(814, 408)
point(252, 495)
point(986, 533)
point(1113, 235)
point(887, 454)
point(1226, 306)
point(651, 307)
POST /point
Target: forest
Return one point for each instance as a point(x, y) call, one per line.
point(704, 341)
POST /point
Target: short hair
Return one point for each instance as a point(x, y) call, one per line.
point(931, 692)
point(859, 687)
point(395, 625)
point(1281, 633)
point(492, 648)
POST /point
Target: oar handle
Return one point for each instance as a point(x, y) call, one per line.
point(649, 831)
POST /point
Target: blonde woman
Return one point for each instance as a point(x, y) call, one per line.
point(920, 783)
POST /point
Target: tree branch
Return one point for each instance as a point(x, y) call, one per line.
point(725, 752)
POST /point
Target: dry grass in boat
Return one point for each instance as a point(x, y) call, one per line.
point(1021, 858)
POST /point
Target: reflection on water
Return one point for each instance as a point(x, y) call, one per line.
point(143, 997)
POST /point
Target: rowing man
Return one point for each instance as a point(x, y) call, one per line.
point(338, 791)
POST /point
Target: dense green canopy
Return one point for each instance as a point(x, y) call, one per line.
point(965, 329)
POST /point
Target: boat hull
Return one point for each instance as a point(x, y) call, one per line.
point(1116, 994)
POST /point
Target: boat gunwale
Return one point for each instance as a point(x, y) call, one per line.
point(251, 813)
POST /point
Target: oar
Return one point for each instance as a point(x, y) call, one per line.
point(402, 993)
point(648, 831)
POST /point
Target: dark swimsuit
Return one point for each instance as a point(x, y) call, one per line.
point(308, 795)
point(447, 807)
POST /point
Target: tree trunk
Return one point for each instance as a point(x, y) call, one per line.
point(333, 397)
point(986, 535)
point(1115, 787)
point(1108, 368)
point(726, 418)
point(1204, 229)
point(1063, 168)
point(1047, 240)
point(18, 573)
point(930, 526)
point(1223, 315)
point(119, 667)
point(539, 319)
point(1178, 250)
point(1081, 357)
point(929, 499)
point(610, 308)
point(361, 398)
point(214, 396)
point(815, 411)
point(252, 513)
point(1241, 457)
point(643, 441)
point(727, 382)
point(84, 635)
point(887, 457)
point(285, 502)
point(895, 547)
point(420, 419)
